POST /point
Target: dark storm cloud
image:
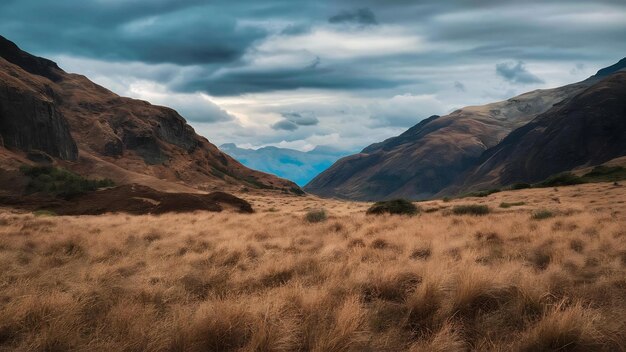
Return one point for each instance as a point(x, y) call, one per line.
point(160, 40)
point(161, 31)
point(516, 73)
point(255, 81)
point(296, 29)
point(301, 119)
point(363, 16)
point(216, 37)
point(315, 63)
point(285, 125)
point(293, 120)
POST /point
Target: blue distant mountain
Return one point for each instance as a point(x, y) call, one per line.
point(299, 167)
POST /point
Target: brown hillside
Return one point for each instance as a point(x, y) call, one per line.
point(91, 130)
point(589, 129)
point(429, 156)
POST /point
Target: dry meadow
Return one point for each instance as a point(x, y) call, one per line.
point(545, 270)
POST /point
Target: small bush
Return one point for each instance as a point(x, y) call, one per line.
point(577, 245)
point(470, 209)
point(356, 242)
point(541, 257)
point(506, 205)
point(60, 182)
point(520, 185)
point(396, 206)
point(542, 214)
point(317, 215)
point(379, 243)
point(421, 253)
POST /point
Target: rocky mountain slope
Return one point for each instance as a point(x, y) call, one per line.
point(588, 129)
point(428, 158)
point(46, 113)
point(291, 164)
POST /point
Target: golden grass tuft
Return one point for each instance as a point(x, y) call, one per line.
point(565, 328)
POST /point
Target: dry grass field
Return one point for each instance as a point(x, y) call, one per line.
point(545, 270)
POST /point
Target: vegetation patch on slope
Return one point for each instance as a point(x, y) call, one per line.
point(317, 215)
point(396, 206)
point(60, 182)
point(599, 173)
point(470, 209)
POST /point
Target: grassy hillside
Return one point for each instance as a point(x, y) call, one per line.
point(500, 279)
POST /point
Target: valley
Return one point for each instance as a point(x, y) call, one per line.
point(499, 226)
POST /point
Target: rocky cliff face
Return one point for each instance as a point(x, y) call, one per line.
point(29, 118)
point(38, 126)
point(94, 131)
point(29, 63)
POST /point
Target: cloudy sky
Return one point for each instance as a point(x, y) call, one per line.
point(297, 73)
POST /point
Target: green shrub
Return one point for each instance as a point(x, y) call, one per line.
point(470, 209)
point(563, 179)
point(396, 206)
point(506, 205)
point(542, 214)
point(60, 182)
point(317, 215)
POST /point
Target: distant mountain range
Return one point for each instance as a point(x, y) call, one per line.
point(523, 139)
point(48, 116)
point(63, 119)
point(294, 165)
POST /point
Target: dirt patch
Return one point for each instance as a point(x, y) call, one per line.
point(132, 199)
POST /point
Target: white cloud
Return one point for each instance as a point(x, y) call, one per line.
point(431, 55)
point(195, 107)
point(148, 82)
point(405, 110)
point(341, 44)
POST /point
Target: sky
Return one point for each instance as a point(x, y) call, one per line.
point(299, 74)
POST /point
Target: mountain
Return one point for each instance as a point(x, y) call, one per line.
point(64, 118)
point(619, 66)
point(429, 157)
point(587, 129)
point(294, 165)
